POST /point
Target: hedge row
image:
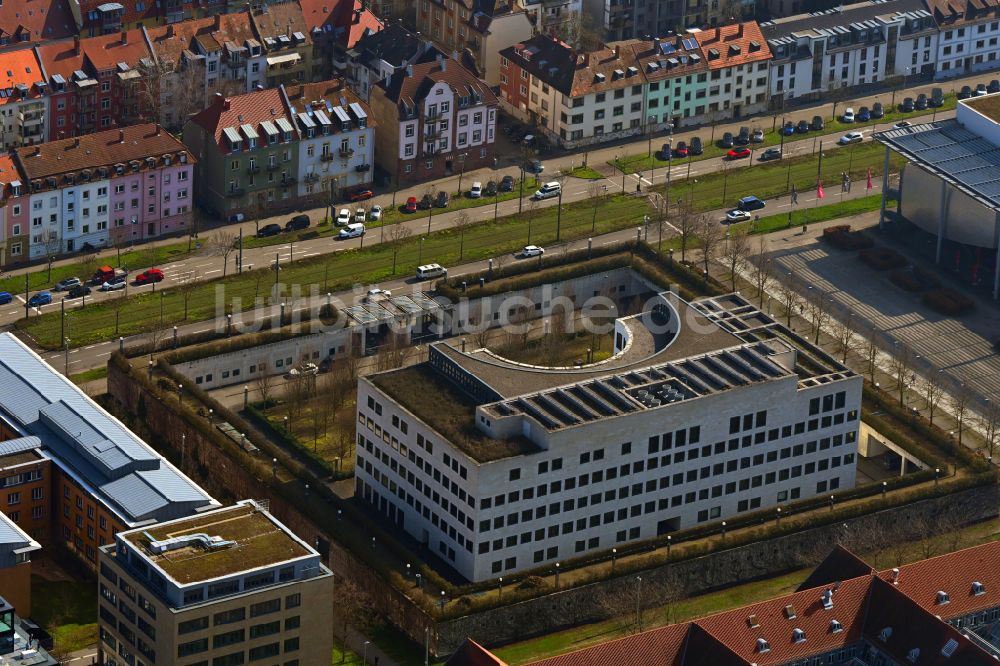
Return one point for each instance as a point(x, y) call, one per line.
point(949, 302)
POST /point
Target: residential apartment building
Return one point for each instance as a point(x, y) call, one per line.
point(282, 28)
point(862, 44)
point(967, 39)
point(229, 586)
point(737, 58)
point(23, 104)
point(379, 55)
point(281, 148)
point(75, 475)
point(24, 22)
point(336, 27)
point(476, 29)
point(14, 205)
point(845, 613)
point(16, 548)
point(677, 81)
point(445, 119)
point(558, 18)
point(507, 469)
point(106, 188)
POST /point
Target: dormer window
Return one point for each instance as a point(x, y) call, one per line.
point(913, 655)
point(598, 78)
point(978, 589)
point(790, 612)
point(943, 598)
point(798, 636)
point(836, 627)
point(885, 634)
point(752, 622)
point(763, 646)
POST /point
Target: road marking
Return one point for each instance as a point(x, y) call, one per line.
point(104, 354)
point(217, 270)
point(92, 346)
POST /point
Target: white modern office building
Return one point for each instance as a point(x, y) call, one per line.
point(705, 411)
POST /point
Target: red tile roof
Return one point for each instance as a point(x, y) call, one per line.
point(346, 20)
point(655, 63)
point(8, 173)
point(38, 19)
point(840, 564)
point(212, 32)
point(283, 18)
point(953, 574)
point(333, 90)
point(471, 653)
point(663, 646)
point(19, 67)
point(151, 10)
point(102, 149)
point(249, 109)
point(735, 44)
point(412, 89)
point(106, 51)
point(61, 58)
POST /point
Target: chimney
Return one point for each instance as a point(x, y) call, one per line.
point(225, 103)
point(121, 136)
point(76, 142)
point(409, 70)
point(157, 129)
point(617, 51)
point(124, 37)
point(441, 62)
point(895, 576)
point(76, 44)
point(357, 17)
point(170, 30)
point(739, 32)
point(218, 21)
point(38, 151)
point(62, 135)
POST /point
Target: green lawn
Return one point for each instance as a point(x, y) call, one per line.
point(770, 125)
point(586, 173)
point(809, 215)
point(344, 657)
point(140, 258)
point(67, 610)
point(100, 372)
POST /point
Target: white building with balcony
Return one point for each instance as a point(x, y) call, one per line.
point(968, 37)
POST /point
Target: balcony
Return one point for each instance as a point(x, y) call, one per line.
point(326, 157)
point(361, 168)
point(272, 166)
point(346, 152)
point(235, 192)
point(288, 180)
point(253, 168)
point(311, 177)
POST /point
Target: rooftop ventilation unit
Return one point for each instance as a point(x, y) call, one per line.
point(205, 541)
point(752, 622)
point(790, 612)
point(828, 599)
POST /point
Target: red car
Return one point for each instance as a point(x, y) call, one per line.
point(150, 276)
point(361, 195)
point(410, 206)
point(738, 153)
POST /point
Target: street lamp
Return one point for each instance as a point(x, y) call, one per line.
point(461, 171)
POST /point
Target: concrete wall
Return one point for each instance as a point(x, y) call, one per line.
point(966, 220)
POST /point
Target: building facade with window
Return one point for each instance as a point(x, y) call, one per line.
point(229, 586)
point(693, 420)
point(445, 119)
point(737, 56)
point(24, 104)
point(106, 188)
point(378, 55)
point(967, 37)
point(15, 202)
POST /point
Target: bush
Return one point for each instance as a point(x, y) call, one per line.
point(841, 236)
point(881, 258)
point(836, 229)
point(949, 302)
point(913, 279)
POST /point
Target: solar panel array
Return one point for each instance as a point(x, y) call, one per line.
point(391, 308)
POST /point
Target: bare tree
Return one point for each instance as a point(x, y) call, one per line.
point(396, 237)
point(463, 222)
point(320, 417)
point(901, 360)
point(736, 251)
point(817, 305)
point(710, 235)
point(531, 211)
point(222, 244)
point(843, 332)
point(761, 270)
point(687, 223)
point(960, 400)
point(264, 382)
point(788, 296)
point(596, 191)
point(933, 390)
point(989, 422)
point(297, 390)
point(393, 354)
point(871, 349)
point(501, 260)
point(354, 608)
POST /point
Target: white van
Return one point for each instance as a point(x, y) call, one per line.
point(431, 271)
point(354, 230)
point(548, 190)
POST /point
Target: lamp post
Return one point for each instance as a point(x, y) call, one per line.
point(66, 363)
point(461, 170)
point(614, 556)
point(365, 654)
point(557, 575)
point(638, 602)
point(496, 192)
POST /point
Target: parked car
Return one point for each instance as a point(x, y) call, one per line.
point(817, 124)
point(426, 202)
point(696, 147)
point(981, 90)
point(851, 137)
point(106, 274)
point(297, 223)
point(548, 190)
point(770, 154)
point(738, 153)
point(149, 276)
point(727, 140)
point(355, 230)
point(442, 199)
point(665, 151)
point(965, 92)
point(802, 127)
point(431, 271)
point(757, 136)
point(907, 105)
point(375, 214)
point(750, 203)
point(476, 191)
point(491, 188)
point(411, 205)
point(77, 291)
point(532, 251)
point(848, 116)
point(937, 96)
point(66, 283)
point(6, 297)
point(115, 284)
point(681, 150)
point(734, 216)
point(921, 104)
point(343, 217)
point(534, 166)
point(360, 215)
point(902, 124)
point(304, 370)
point(743, 138)
point(361, 195)
point(375, 294)
point(788, 128)
point(864, 115)
point(877, 111)
point(994, 86)
point(39, 299)
point(269, 230)
point(507, 184)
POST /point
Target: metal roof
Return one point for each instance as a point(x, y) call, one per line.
point(341, 114)
point(948, 150)
point(359, 112)
point(284, 125)
point(89, 444)
point(232, 134)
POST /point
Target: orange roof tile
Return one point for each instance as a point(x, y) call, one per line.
point(19, 68)
point(471, 653)
point(735, 44)
point(346, 20)
point(8, 173)
point(39, 19)
point(279, 19)
point(106, 51)
point(150, 11)
point(333, 90)
point(953, 574)
point(663, 646)
point(249, 109)
point(61, 58)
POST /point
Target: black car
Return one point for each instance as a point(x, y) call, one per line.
point(877, 111)
point(269, 230)
point(770, 154)
point(981, 89)
point(802, 127)
point(743, 138)
point(696, 147)
point(426, 202)
point(507, 184)
point(78, 291)
point(491, 188)
point(907, 105)
point(817, 124)
point(297, 223)
point(442, 200)
point(665, 151)
point(921, 103)
point(937, 97)
point(727, 140)
point(994, 86)
point(681, 149)
point(965, 92)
